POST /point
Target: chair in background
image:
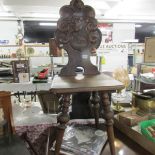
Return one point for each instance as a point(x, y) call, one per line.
point(10, 143)
point(6, 109)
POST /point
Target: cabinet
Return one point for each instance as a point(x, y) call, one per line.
point(145, 76)
point(10, 51)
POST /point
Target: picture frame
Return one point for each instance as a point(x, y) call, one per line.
point(149, 53)
point(20, 66)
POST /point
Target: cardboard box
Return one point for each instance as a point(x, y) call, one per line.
point(131, 118)
point(149, 54)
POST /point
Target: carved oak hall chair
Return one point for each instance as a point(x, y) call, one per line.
point(78, 34)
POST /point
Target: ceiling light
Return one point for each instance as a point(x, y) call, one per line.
point(47, 15)
point(48, 24)
point(138, 25)
point(113, 0)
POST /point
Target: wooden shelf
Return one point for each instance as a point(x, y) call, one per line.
point(10, 59)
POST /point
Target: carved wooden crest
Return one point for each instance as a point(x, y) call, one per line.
point(78, 33)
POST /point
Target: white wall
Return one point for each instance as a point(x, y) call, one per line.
point(8, 30)
point(123, 32)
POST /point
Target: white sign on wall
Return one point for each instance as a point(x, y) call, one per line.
point(8, 31)
point(114, 55)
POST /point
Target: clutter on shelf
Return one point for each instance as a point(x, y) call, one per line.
point(131, 118)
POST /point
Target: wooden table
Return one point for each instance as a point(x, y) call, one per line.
point(100, 86)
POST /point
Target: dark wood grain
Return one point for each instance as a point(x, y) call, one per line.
point(94, 103)
point(89, 83)
point(78, 33)
point(92, 83)
point(62, 119)
point(108, 115)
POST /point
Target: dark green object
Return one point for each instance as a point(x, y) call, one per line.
point(39, 80)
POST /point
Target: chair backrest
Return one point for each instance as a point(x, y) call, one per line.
point(6, 108)
point(78, 34)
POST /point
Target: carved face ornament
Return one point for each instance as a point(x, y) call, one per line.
point(78, 33)
point(78, 26)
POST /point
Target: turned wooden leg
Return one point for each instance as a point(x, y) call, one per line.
point(94, 103)
point(62, 119)
point(108, 115)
